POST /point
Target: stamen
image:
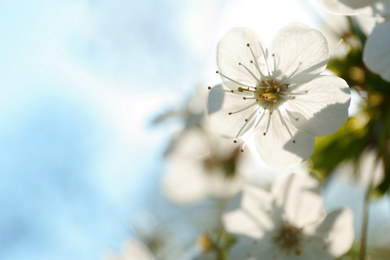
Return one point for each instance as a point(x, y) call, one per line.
point(227, 91)
point(232, 80)
point(273, 73)
point(253, 75)
point(254, 97)
point(246, 122)
point(256, 63)
point(235, 112)
point(291, 115)
point(268, 123)
point(285, 125)
point(265, 59)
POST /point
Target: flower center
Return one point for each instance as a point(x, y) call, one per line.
point(269, 94)
point(289, 237)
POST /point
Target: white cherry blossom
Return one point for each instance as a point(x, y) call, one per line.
point(376, 52)
point(288, 222)
point(202, 166)
point(278, 93)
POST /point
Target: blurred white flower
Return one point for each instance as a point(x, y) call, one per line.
point(133, 249)
point(338, 33)
point(201, 166)
point(281, 97)
point(288, 222)
point(376, 52)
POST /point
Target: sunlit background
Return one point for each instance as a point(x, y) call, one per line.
point(80, 83)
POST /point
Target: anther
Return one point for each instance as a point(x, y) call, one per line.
point(251, 61)
point(264, 133)
point(294, 141)
point(247, 44)
point(242, 150)
point(235, 141)
point(244, 98)
point(239, 63)
point(217, 72)
point(232, 91)
point(209, 87)
point(230, 113)
point(246, 119)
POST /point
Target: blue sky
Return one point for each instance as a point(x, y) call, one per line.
point(80, 82)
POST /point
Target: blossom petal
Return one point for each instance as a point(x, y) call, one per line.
point(323, 109)
point(376, 53)
point(335, 233)
point(277, 149)
point(220, 104)
point(299, 195)
point(347, 7)
point(247, 213)
point(301, 53)
point(239, 222)
point(233, 49)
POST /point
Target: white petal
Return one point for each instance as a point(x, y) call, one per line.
point(376, 53)
point(247, 213)
point(238, 222)
point(324, 109)
point(301, 53)
point(220, 104)
point(253, 198)
point(347, 7)
point(277, 149)
point(335, 233)
point(233, 49)
point(299, 195)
